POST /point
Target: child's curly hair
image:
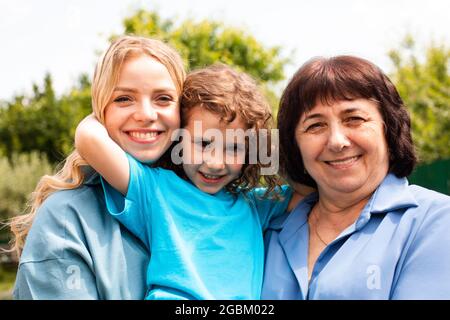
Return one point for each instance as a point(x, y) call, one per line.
point(229, 93)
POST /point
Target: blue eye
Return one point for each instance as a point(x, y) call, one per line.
point(122, 99)
point(165, 99)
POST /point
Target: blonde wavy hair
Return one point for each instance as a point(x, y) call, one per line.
point(106, 76)
point(229, 93)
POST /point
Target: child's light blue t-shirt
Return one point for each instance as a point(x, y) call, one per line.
point(202, 246)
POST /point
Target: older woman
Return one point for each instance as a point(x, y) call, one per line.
point(365, 233)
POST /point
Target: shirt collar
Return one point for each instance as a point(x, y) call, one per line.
point(392, 194)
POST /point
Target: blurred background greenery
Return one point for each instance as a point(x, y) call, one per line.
point(36, 130)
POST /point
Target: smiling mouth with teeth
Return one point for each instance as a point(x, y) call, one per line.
point(211, 177)
point(343, 162)
point(144, 135)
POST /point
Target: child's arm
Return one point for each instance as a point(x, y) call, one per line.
point(96, 147)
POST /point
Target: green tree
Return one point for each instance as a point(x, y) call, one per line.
point(43, 122)
point(18, 179)
point(424, 85)
point(206, 42)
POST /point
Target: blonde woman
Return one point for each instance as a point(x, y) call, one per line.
point(73, 249)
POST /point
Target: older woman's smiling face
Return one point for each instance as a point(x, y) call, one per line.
point(343, 146)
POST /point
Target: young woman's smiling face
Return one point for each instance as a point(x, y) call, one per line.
point(211, 163)
point(343, 146)
point(143, 111)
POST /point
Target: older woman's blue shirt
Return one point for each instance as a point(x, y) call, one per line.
point(398, 248)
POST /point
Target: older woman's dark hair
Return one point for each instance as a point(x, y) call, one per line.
point(327, 80)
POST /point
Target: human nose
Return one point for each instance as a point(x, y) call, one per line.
point(338, 139)
point(215, 162)
point(146, 111)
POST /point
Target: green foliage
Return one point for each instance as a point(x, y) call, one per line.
point(19, 177)
point(7, 279)
point(424, 85)
point(43, 122)
point(206, 42)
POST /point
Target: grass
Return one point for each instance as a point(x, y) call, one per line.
point(7, 278)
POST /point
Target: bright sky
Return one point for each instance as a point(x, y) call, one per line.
point(64, 37)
